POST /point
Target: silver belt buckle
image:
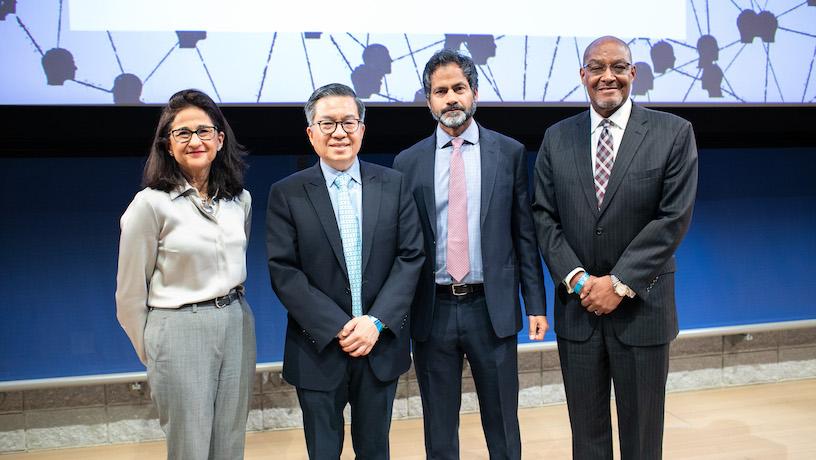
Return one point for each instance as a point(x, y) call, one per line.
point(455, 289)
point(218, 303)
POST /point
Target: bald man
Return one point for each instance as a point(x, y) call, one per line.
point(614, 190)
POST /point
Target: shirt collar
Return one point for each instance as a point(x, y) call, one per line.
point(330, 174)
point(471, 135)
point(182, 189)
point(620, 118)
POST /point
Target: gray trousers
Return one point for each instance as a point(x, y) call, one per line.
point(201, 368)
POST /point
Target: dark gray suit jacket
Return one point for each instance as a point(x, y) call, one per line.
point(308, 272)
point(645, 214)
point(510, 256)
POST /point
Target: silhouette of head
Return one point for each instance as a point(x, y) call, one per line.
point(419, 96)
point(454, 41)
point(376, 57)
point(662, 56)
point(58, 64)
point(7, 7)
point(190, 38)
point(366, 81)
point(708, 49)
point(811, 2)
point(481, 47)
point(747, 25)
point(645, 79)
point(712, 80)
point(767, 26)
point(127, 89)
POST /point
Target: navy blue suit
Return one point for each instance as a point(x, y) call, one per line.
point(308, 272)
point(510, 261)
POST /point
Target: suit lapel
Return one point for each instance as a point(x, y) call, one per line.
point(427, 176)
point(636, 130)
point(489, 152)
point(319, 197)
point(372, 195)
point(582, 154)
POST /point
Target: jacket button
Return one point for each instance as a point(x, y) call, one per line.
point(599, 231)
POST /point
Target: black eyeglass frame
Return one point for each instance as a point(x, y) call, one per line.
point(176, 132)
point(600, 69)
point(321, 123)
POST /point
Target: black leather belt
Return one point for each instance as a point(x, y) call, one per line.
point(459, 290)
point(218, 302)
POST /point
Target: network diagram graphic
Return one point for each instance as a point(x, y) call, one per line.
point(737, 51)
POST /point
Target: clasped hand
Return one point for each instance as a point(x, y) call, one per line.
point(598, 296)
point(358, 336)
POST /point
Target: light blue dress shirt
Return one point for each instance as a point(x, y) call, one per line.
point(472, 156)
point(355, 189)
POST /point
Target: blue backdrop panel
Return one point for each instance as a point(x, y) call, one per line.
point(744, 260)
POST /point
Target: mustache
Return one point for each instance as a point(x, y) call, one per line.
point(452, 108)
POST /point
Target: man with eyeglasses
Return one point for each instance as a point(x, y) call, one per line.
point(614, 191)
point(345, 250)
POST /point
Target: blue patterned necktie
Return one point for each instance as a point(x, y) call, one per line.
point(352, 244)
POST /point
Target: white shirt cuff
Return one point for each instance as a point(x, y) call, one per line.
point(569, 277)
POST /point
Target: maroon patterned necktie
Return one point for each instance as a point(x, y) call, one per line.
point(603, 161)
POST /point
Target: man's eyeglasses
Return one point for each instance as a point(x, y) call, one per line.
point(183, 135)
point(329, 127)
point(618, 68)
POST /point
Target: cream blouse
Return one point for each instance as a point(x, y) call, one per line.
point(175, 251)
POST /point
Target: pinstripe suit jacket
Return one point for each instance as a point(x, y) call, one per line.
point(645, 214)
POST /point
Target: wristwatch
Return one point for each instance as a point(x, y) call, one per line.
point(620, 288)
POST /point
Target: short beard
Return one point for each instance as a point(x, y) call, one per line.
point(455, 121)
point(611, 103)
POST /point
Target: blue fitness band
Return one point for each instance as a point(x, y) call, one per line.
point(580, 284)
point(377, 323)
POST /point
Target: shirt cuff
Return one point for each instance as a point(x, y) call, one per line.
point(377, 322)
point(569, 277)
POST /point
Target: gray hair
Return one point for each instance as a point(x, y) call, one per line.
point(332, 89)
point(445, 57)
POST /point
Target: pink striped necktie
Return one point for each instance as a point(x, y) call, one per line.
point(603, 161)
point(458, 259)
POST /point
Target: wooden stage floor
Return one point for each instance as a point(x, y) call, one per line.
point(771, 421)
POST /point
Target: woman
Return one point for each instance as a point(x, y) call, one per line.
point(182, 265)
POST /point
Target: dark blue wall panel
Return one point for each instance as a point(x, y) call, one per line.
point(744, 261)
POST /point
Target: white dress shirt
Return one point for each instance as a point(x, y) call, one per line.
point(173, 252)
